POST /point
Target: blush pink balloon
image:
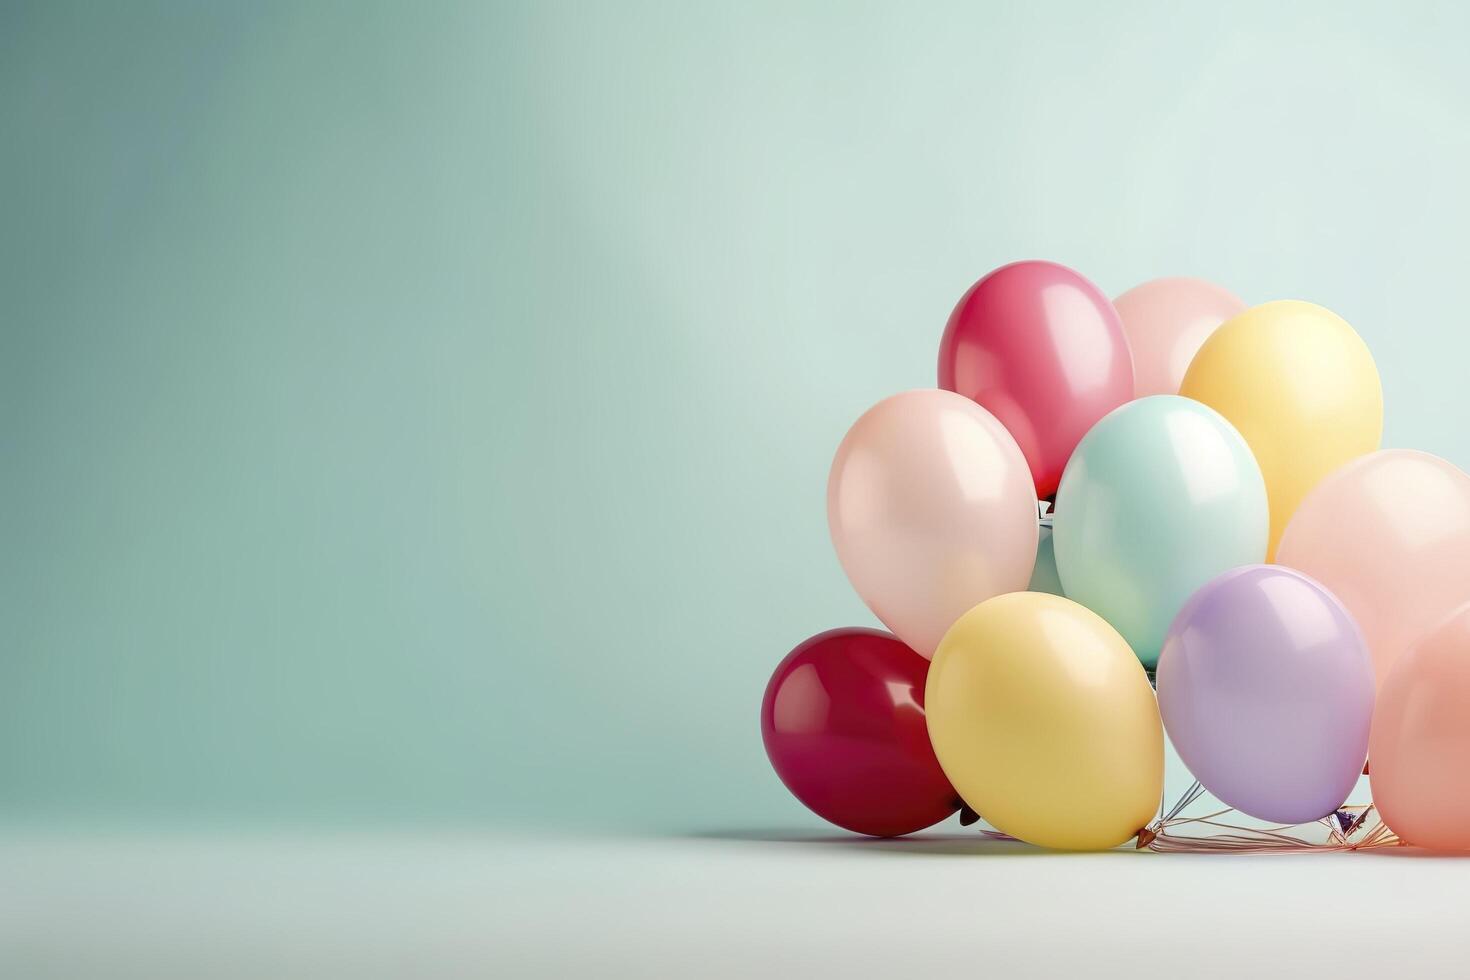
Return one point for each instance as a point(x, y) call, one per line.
point(1041, 348)
point(1166, 321)
point(932, 511)
point(1389, 535)
point(1421, 739)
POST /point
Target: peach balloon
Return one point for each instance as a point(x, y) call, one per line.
point(1389, 535)
point(1166, 321)
point(1420, 746)
point(932, 511)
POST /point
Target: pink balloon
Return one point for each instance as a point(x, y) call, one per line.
point(1389, 535)
point(932, 511)
point(1166, 321)
point(1042, 348)
point(1421, 739)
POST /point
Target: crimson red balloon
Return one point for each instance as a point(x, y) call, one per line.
point(1043, 350)
point(843, 722)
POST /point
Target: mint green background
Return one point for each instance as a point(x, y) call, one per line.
point(422, 413)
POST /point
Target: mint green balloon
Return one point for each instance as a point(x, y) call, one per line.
point(1159, 497)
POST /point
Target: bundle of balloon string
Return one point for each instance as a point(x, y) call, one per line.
point(1184, 829)
point(1349, 828)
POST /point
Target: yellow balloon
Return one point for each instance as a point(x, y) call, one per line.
point(1045, 723)
point(1300, 386)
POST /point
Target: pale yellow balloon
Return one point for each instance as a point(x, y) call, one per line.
point(1045, 723)
point(1300, 386)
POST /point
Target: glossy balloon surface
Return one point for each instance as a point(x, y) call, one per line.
point(931, 510)
point(1421, 739)
point(1300, 385)
point(1166, 321)
point(1389, 534)
point(1045, 722)
point(1159, 498)
point(1043, 350)
point(1266, 689)
point(843, 724)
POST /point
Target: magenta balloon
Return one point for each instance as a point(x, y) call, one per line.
point(1266, 688)
point(1043, 350)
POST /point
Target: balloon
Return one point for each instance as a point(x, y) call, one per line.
point(1302, 389)
point(1389, 534)
point(1042, 348)
point(1166, 321)
point(1044, 721)
point(932, 510)
point(1044, 576)
point(1162, 496)
point(843, 723)
point(1266, 689)
point(1421, 739)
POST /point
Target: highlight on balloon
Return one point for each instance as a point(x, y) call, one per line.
point(1116, 525)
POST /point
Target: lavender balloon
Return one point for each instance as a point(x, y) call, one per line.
point(1266, 688)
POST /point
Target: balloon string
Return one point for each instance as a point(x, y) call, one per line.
point(1351, 828)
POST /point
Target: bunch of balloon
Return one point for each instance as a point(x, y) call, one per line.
point(1089, 496)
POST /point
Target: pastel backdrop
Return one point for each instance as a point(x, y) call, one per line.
point(423, 412)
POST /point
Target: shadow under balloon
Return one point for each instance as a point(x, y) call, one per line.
point(967, 845)
point(916, 845)
point(1412, 852)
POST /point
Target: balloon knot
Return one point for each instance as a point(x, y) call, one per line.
point(1145, 838)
